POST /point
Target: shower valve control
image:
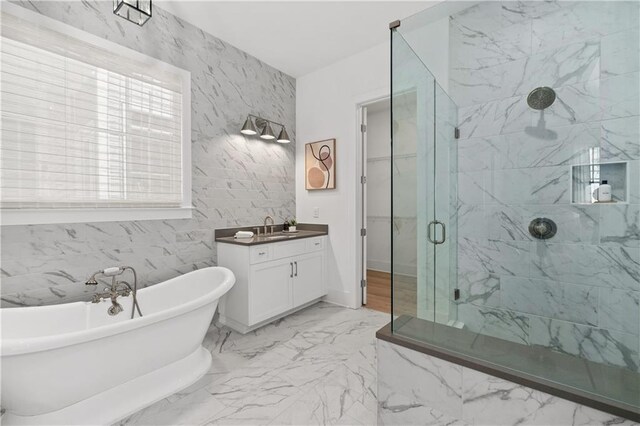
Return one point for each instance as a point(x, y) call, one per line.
point(542, 228)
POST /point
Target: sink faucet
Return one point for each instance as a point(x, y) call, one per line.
point(265, 224)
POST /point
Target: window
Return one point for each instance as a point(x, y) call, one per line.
point(88, 125)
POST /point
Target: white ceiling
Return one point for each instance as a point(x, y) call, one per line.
point(296, 37)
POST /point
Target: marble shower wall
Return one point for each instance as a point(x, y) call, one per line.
point(579, 292)
point(236, 180)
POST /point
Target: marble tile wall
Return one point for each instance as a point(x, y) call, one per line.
point(236, 180)
point(418, 389)
point(578, 292)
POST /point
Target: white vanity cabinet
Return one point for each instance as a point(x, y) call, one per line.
point(272, 280)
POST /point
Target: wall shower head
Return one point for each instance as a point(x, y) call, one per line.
point(541, 98)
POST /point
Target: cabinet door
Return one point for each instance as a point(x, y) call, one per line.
point(270, 289)
point(308, 283)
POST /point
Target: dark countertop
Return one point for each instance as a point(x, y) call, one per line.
point(226, 235)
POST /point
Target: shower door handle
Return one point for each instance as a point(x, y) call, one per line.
point(444, 232)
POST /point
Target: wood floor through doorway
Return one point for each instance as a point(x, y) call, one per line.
point(379, 293)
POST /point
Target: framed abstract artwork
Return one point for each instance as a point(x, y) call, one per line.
point(320, 165)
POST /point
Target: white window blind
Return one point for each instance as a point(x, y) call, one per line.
point(85, 126)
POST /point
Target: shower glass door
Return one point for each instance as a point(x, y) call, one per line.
point(445, 197)
point(424, 160)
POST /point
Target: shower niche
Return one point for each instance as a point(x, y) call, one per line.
point(586, 180)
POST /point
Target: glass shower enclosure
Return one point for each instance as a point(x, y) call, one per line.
point(516, 185)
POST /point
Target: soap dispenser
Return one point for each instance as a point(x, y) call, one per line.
point(604, 192)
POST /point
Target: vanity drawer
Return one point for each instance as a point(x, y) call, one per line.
point(289, 249)
point(315, 244)
point(260, 253)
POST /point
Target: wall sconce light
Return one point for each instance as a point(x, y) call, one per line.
point(136, 11)
point(250, 128)
point(267, 132)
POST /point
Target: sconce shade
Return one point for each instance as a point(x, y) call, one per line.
point(136, 11)
point(248, 128)
point(267, 132)
point(283, 137)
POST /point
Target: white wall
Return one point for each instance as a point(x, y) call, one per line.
point(431, 43)
point(326, 107)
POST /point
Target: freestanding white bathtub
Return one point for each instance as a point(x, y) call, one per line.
point(75, 364)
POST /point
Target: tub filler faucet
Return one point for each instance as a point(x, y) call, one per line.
point(117, 289)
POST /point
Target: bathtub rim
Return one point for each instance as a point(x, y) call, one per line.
point(19, 346)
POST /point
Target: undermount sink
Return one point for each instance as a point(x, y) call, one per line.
point(278, 237)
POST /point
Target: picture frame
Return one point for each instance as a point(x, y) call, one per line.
point(320, 165)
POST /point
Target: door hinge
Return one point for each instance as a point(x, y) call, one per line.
point(363, 128)
point(363, 179)
point(456, 294)
point(456, 133)
point(363, 283)
point(363, 232)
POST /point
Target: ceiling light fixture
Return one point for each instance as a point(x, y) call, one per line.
point(136, 11)
point(253, 123)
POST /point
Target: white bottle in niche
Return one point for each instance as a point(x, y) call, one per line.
point(603, 193)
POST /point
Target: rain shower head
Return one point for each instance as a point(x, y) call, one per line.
point(541, 98)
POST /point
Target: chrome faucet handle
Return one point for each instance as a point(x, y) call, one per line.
point(115, 309)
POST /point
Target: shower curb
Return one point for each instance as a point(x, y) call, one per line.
point(567, 392)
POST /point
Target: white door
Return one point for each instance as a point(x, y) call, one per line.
point(308, 279)
point(270, 289)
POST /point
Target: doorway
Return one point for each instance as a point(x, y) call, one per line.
point(376, 205)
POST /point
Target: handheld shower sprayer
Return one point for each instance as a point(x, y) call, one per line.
point(108, 272)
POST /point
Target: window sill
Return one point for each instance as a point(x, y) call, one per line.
point(53, 216)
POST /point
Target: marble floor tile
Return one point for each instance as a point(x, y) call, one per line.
point(193, 409)
point(400, 410)
point(316, 366)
